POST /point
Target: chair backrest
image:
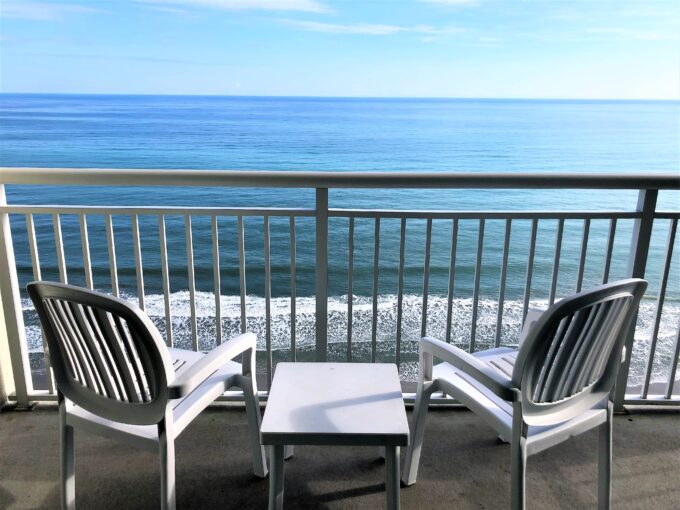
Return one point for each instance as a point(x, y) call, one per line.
point(106, 354)
point(570, 358)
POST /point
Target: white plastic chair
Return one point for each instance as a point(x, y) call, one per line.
point(557, 385)
point(116, 377)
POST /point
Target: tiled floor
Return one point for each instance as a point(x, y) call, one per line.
point(463, 466)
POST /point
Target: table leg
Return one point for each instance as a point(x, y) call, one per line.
point(276, 477)
point(288, 451)
point(392, 477)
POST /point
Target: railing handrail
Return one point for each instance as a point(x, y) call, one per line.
point(348, 179)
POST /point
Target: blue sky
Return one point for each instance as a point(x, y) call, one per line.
point(417, 48)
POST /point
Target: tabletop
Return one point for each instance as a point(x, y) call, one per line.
point(335, 403)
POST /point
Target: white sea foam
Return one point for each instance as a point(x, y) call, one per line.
point(461, 319)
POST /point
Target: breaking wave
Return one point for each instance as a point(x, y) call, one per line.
point(362, 313)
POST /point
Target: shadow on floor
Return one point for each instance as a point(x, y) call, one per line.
point(463, 465)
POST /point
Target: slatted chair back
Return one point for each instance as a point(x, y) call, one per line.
point(570, 357)
point(107, 355)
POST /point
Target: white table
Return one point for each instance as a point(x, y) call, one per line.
point(335, 404)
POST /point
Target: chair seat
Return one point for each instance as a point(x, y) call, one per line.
point(184, 409)
point(498, 412)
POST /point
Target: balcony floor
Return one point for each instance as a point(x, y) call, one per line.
point(463, 466)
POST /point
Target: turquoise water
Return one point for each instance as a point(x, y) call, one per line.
point(433, 135)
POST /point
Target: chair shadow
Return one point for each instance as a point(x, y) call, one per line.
point(351, 493)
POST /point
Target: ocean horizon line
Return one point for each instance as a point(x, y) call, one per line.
point(336, 98)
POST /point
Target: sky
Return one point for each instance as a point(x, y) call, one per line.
point(599, 49)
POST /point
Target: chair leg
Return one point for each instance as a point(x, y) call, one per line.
point(412, 459)
point(254, 421)
point(68, 472)
point(604, 462)
point(167, 458)
point(518, 467)
point(518, 458)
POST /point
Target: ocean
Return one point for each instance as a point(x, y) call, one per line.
point(346, 134)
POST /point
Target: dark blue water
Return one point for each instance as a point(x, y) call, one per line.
point(257, 133)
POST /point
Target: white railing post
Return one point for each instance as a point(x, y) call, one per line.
point(637, 263)
point(13, 323)
point(321, 274)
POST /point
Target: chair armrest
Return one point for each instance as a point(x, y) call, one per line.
point(209, 364)
point(497, 382)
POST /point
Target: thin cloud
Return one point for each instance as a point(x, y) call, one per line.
point(152, 60)
point(637, 35)
point(43, 11)
point(170, 10)
point(649, 11)
point(451, 2)
point(242, 5)
point(368, 28)
point(332, 28)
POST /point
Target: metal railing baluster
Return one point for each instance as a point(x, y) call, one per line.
point(501, 291)
point(530, 269)
point(376, 275)
point(452, 278)
point(113, 269)
point(166, 280)
point(350, 287)
point(268, 301)
point(293, 290)
point(139, 269)
point(59, 247)
point(584, 253)
point(475, 291)
point(242, 273)
point(556, 262)
point(85, 248)
point(400, 289)
point(217, 285)
point(426, 277)
point(33, 246)
point(321, 274)
point(610, 250)
point(191, 281)
point(659, 306)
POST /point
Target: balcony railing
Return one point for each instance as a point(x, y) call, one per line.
point(295, 313)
